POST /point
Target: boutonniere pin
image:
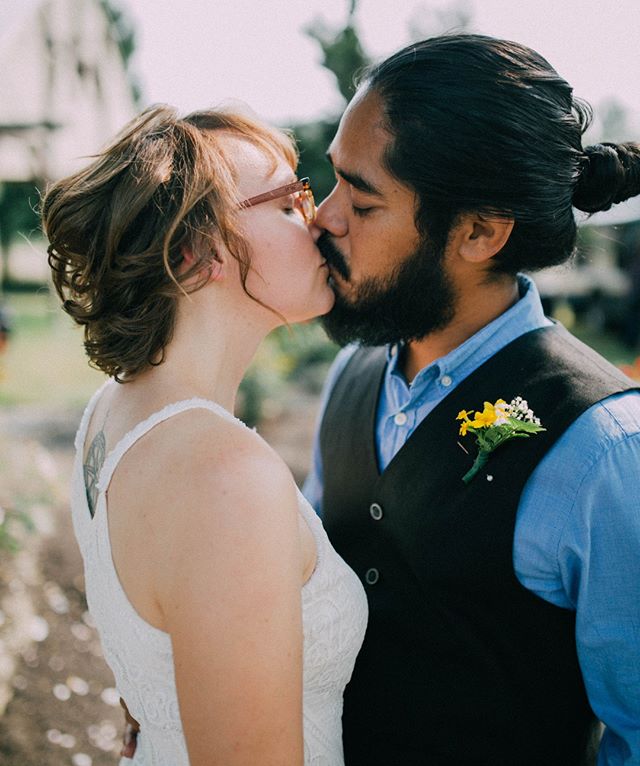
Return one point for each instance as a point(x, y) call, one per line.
point(495, 425)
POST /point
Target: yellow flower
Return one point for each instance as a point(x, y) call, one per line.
point(503, 422)
point(485, 418)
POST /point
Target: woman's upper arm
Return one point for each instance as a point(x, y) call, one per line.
point(232, 604)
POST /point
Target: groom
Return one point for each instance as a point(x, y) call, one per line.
point(504, 613)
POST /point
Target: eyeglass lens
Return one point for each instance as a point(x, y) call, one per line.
point(306, 205)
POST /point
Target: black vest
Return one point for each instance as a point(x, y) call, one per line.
point(460, 664)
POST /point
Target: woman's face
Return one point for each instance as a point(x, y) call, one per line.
point(287, 270)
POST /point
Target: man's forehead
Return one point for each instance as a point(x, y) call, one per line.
point(362, 123)
point(361, 141)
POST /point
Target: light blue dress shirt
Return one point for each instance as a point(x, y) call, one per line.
point(577, 536)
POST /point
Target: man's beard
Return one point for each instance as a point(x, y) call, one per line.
point(416, 299)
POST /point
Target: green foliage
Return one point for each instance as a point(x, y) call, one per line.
point(313, 141)
point(31, 484)
point(18, 216)
point(344, 56)
point(301, 353)
point(123, 33)
point(45, 361)
point(18, 205)
point(10, 521)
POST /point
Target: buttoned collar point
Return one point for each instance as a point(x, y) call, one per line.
point(525, 315)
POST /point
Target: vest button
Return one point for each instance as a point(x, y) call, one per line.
point(372, 576)
point(446, 381)
point(375, 509)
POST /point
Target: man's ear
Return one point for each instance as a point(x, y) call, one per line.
point(480, 237)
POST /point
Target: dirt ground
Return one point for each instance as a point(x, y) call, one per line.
point(64, 707)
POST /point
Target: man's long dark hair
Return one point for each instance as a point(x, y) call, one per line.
point(487, 125)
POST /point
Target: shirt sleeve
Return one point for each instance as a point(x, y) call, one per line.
point(577, 545)
point(313, 485)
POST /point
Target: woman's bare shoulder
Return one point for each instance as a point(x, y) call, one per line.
point(218, 451)
point(208, 464)
point(231, 514)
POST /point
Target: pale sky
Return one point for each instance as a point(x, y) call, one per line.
point(197, 53)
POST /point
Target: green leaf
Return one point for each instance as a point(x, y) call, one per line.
point(523, 425)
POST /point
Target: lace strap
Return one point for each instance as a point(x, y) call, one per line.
point(136, 433)
point(86, 416)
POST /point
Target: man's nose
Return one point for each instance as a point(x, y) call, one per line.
point(330, 216)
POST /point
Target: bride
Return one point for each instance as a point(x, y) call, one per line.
point(230, 624)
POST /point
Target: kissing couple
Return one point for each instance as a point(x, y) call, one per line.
point(443, 593)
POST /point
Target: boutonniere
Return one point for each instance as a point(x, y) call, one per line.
point(495, 425)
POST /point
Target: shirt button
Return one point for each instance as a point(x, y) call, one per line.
point(445, 380)
point(375, 509)
point(400, 418)
point(372, 576)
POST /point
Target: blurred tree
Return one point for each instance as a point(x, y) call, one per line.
point(343, 53)
point(345, 57)
point(613, 119)
point(123, 32)
point(18, 204)
point(313, 141)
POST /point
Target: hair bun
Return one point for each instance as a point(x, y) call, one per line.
point(610, 174)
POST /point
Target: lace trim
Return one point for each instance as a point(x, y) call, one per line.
point(138, 431)
point(86, 417)
point(315, 525)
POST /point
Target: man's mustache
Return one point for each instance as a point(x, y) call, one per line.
point(332, 255)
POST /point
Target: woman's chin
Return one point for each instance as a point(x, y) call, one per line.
point(328, 303)
point(315, 308)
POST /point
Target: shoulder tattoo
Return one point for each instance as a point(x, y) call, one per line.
point(92, 467)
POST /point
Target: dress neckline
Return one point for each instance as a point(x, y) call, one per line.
point(124, 444)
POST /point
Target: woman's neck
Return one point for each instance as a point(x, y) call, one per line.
point(208, 355)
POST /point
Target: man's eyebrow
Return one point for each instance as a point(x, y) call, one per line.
point(356, 180)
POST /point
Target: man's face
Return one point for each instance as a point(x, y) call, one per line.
point(389, 284)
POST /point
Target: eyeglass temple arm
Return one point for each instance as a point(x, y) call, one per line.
point(300, 185)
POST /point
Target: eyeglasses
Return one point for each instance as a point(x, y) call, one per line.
point(303, 200)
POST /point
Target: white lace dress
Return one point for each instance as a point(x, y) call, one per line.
point(334, 612)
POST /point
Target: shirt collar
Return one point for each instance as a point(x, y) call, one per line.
point(525, 315)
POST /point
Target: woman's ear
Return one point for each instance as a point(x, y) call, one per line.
point(213, 264)
point(481, 237)
point(188, 258)
point(216, 268)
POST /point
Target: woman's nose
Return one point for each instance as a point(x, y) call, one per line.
point(315, 230)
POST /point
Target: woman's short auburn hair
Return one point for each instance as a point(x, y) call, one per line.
point(118, 228)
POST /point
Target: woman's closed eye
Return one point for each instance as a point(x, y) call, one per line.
point(361, 211)
point(289, 205)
